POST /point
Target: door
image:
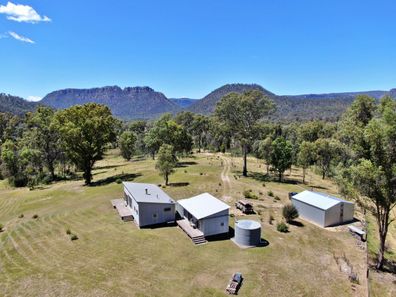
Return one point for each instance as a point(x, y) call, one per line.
point(342, 212)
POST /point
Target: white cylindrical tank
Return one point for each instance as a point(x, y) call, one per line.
point(247, 232)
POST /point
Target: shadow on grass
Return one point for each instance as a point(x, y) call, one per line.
point(114, 178)
point(179, 184)
point(186, 164)
point(264, 177)
point(220, 237)
point(107, 167)
point(296, 223)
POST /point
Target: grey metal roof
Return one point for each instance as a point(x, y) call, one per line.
point(147, 193)
point(319, 200)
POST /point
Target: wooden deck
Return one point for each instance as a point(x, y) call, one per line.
point(196, 235)
point(124, 212)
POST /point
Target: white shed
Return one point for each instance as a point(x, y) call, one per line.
point(322, 209)
point(207, 213)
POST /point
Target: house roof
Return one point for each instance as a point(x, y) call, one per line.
point(203, 205)
point(319, 200)
point(147, 193)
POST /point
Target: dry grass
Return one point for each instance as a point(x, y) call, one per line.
point(112, 258)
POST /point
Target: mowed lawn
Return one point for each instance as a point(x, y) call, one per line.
point(113, 258)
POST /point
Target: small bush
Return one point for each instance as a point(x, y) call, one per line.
point(35, 216)
point(220, 184)
point(21, 216)
point(232, 215)
point(1, 227)
point(290, 212)
point(264, 185)
point(200, 173)
point(118, 181)
point(46, 180)
point(73, 237)
point(68, 231)
point(282, 227)
point(185, 171)
point(248, 194)
point(277, 198)
point(270, 193)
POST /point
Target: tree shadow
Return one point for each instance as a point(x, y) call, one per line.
point(296, 223)
point(182, 184)
point(114, 178)
point(183, 164)
point(107, 167)
point(264, 177)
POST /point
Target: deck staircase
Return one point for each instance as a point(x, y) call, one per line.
point(196, 235)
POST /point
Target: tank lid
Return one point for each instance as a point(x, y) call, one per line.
point(248, 224)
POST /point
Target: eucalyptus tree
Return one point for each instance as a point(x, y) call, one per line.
point(241, 113)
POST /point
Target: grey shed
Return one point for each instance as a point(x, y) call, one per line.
point(150, 205)
point(322, 209)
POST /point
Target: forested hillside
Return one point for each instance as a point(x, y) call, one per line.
point(128, 103)
point(15, 105)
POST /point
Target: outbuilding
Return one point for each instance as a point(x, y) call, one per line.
point(205, 213)
point(149, 204)
point(323, 209)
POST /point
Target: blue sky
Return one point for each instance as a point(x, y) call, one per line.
point(187, 48)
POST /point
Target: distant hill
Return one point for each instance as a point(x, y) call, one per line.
point(145, 103)
point(15, 105)
point(183, 102)
point(291, 107)
point(128, 103)
point(207, 104)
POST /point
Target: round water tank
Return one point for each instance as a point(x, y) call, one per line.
point(247, 232)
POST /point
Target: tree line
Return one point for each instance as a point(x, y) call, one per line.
point(358, 151)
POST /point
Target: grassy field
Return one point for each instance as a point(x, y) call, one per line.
point(112, 258)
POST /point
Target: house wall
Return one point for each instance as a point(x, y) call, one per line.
point(309, 212)
point(156, 213)
point(214, 225)
point(133, 205)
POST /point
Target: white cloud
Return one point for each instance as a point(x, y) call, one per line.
point(20, 37)
point(34, 98)
point(22, 13)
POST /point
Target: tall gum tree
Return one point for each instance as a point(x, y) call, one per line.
point(85, 131)
point(241, 113)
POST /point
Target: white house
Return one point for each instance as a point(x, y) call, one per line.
point(322, 209)
point(206, 213)
point(149, 204)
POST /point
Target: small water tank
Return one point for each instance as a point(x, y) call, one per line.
point(247, 232)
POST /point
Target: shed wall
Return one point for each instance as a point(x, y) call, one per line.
point(310, 213)
point(214, 225)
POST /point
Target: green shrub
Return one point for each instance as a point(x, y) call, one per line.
point(270, 193)
point(35, 216)
point(248, 194)
point(1, 227)
point(200, 173)
point(46, 180)
point(21, 216)
point(282, 227)
point(68, 231)
point(290, 212)
point(73, 237)
point(277, 198)
point(118, 181)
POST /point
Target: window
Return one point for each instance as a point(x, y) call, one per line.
point(167, 209)
point(222, 224)
point(154, 215)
